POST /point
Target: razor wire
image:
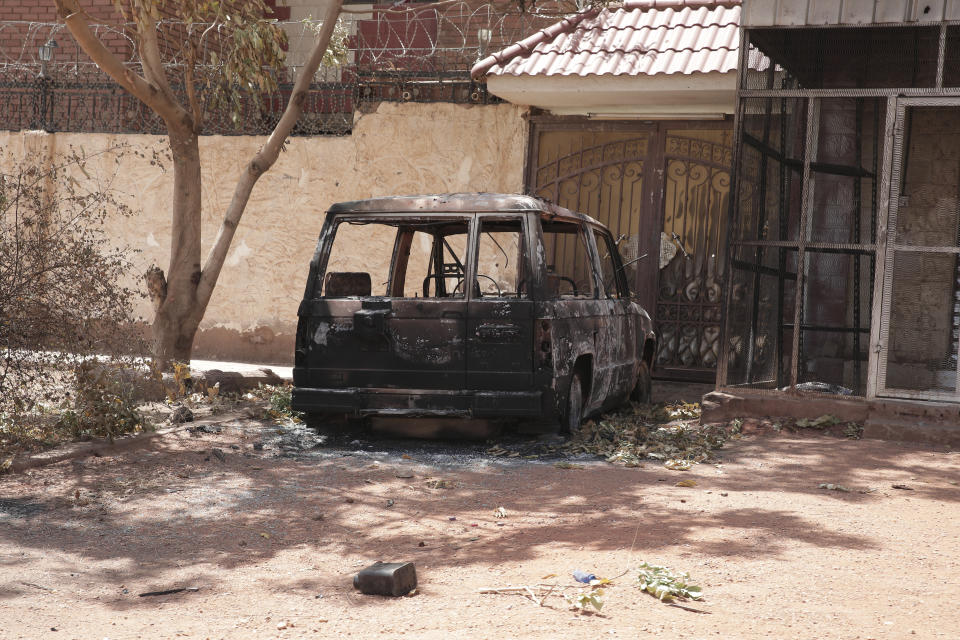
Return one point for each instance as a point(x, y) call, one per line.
point(416, 55)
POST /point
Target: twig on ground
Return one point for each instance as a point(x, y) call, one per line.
point(686, 608)
point(167, 592)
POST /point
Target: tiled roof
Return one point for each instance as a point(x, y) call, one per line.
point(645, 37)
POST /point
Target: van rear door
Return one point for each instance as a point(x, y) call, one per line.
point(501, 312)
point(388, 308)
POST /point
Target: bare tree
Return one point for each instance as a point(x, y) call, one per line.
point(246, 47)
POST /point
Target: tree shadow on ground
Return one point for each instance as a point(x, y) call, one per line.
point(138, 518)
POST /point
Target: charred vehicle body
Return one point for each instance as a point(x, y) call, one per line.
point(468, 306)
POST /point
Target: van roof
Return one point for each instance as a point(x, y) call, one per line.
point(457, 202)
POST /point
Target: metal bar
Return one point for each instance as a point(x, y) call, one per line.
point(782, 222)
point(732, 216)
point(887, 209)
point(819, 327)
point(824, 247)
point(941, 54)
point(858, 152)
point(809, 153)
point(924, 249)
point(759, 268)
point(849, 93)
point(761, 208)
point(819, 167)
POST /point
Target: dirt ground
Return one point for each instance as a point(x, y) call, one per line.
point(271, 535)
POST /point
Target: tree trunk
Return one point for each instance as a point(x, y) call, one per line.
point(178, 310)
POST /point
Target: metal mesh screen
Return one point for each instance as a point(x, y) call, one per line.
point(922, 348)
point(922, 294)
point(804, 240)
point(852, 58)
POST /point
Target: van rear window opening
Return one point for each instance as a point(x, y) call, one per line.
point(428, 259)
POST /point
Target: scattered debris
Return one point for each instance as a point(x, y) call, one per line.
point(678, 465)
point(390, 503)
point(822, 387)
point(218, 454)
point(583, 576)
point(500, 513)
point(568, 465)
point(180, 414)
point(167, 592)
point(833, 487)
point(663, 584)
point(584, 599)
point(387, 579)
point(818, 423)
point(439, 484)
point(286, 624)
point(902, 487)
point(404, 474)
point(687, 482)
point(537, 593)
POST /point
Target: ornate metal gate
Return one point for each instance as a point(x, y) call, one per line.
point(599, 176)
point(696, 193)
point(609, 171)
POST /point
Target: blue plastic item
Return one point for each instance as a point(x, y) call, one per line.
point(583, 576)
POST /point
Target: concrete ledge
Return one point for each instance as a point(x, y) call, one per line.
point(719, 406)
point(931, 423)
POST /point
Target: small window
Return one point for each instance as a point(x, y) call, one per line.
point(501, 259)
point(569, 267)
point(610, 272)
point(359, 262)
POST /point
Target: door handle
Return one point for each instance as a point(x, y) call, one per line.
point(497, 331)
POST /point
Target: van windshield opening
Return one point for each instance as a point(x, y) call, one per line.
point(422, 258)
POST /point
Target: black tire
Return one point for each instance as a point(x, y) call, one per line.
point(573, 416)
point(643, 389)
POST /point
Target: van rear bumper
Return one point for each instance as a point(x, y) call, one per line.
point(420, 403)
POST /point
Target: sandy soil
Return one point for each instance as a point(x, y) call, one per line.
point(272, 538)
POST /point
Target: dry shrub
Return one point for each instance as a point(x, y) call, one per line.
point(64, 304)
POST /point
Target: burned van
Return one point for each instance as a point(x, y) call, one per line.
point(468, 306)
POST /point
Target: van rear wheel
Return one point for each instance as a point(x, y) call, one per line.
point(574, 413)
point(643, 389)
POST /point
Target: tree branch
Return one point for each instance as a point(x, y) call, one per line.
point(188, 80)
point(265, 158)
point(76, 22)
point(150, 54)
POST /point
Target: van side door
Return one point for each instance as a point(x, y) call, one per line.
point(620, 326)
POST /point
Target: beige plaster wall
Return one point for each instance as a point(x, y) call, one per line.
point(399, 149)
